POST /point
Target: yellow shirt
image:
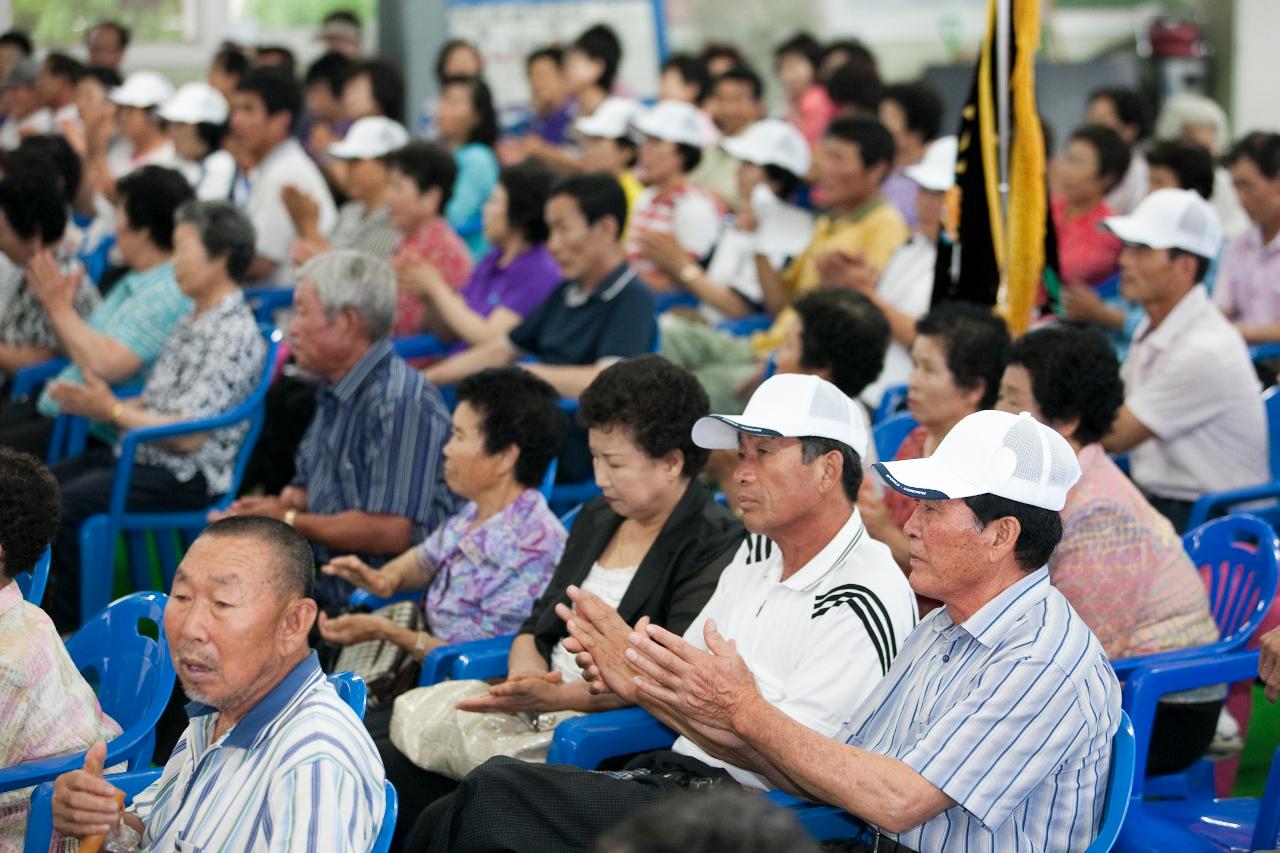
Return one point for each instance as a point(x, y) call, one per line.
point(876, 230)
point(631, 188)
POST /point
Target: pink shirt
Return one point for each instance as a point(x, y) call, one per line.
point(439, 245)
point(47, 709)
point(1247, 288)
point(812, 113)
point(1123, 568)
point(1086, 253)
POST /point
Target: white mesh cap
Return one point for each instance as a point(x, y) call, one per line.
point(1170, 219)
point(997, 453)
point(792, 405)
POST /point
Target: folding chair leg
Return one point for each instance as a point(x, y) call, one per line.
point(97, 564)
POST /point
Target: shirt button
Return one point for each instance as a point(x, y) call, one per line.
point(946, 658)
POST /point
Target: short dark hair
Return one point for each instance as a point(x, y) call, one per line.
point(656, 401)
point(486, 130)
point(297, 566)
point(1074, 376)
point(975, 340)
point(598, 195)
point(802, 44)
point(150, 197)
point(224, 232)
point(212, 135)
point(1202, 263)
point(844, 333)
point(387, 82)
point(874, 141)
point(428, 164)
point(330, 70)
point(31, 202)
point(784, 181)
point(232, 60)
point(922, 106)
point(813, 447)
point(1113, 153)
point(855, 85)
point(342, 16)
point(518, 409)
point(856, 51)
point(442, 57)
point(553, 52)
point(726, 818)
point(123, 33)
point(30, 507)
point(52, 150)
point(690, 156)
point(692, 70)
point(1041, 529)
point(1262, 148)
point(1131, 107)
point(741, 74)
point(721, 50)
point(62, 65)
point(108, 77)
point(18, 39)
point(1191, 164)
point(288, 62)
point(528, 186)
point(276, 88)
point(600, 42)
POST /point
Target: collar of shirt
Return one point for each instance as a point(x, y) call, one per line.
point(609, 287)
point(347, 387)
point(1253, 239)
point(229, 304)
point(500, 532)
point(1184, 315)
point(9, 597)
point(830, 557)
point(284, 149)
point(142, 279)
point(994, 619)
point(246, 732)
point(858, 214)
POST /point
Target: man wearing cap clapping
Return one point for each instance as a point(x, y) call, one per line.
point(816, 606)
point(993, 727)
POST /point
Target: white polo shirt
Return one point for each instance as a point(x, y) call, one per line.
point(818, 642)
point(906, 283)
point(285, 164)
point(1190, 381)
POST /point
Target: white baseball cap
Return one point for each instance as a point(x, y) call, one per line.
point(936, 172)
point(195, 103)
point(370, 137)
point(792, 405)
point(772, 142)
point(672, 121)
point(995, 453)
point(1170, 219)
point(611, 119)
point(143, 89)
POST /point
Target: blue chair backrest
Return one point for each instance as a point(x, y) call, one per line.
point(1271, 400)
point(1238, 556)
point(892, 401)
point(1119, 786)
point(889, 434)
point(255, 405)
point(382, 843)
point(570, 517)
point(549, 479)
point(351, 689)
point(33, 583)
point(1266, 832)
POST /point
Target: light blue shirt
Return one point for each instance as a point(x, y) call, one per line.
point(477, 176)
point(1011, 714)
point(298, 772)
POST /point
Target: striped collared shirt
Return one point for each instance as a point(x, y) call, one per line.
point(1011, 714)
point(298, 772)
point(375, 446)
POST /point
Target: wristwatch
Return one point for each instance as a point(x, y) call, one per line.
point(289, 516)
point(690, 272)
point(420, 647)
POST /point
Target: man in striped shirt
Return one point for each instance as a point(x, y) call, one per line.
point(273, 758)
point(992, 730)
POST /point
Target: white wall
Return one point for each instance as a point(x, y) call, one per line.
point(1254, 103)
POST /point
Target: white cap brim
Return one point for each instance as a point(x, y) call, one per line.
point(925, 480)
point(1130, 230)
point(718, 432)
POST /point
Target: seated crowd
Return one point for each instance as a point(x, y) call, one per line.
point(594, 382)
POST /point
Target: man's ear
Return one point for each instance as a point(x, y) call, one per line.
point(1007, 529)
point(299, 616)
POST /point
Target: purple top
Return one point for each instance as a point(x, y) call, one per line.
point(484, 581)
point(900, 191)
point(520, 286)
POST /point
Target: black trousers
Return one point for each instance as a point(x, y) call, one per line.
point(1181, 735)
point(289, 407)
point(86, 491)
point(1178, 512)
point(25, 429)
point(510, 805)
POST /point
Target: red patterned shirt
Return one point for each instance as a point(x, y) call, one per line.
point(439, 245)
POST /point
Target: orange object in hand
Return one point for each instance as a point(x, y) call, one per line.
point(92, 843)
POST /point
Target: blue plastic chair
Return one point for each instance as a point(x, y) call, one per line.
point(1216, 503)
point(588, 740)
point(32, 378)
point(664, 302)
point(742, 326)
point(892, 401)
point(1200, 824)
point(133, 676)
point(98, 533)
point(352, 690)
point(890, 433)
point(418, 346)
point(478, 659)
point(266, 300)
point(33, 583)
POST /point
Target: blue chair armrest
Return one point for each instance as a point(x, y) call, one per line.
point(1208, 504)
point(821, 821)
point(418, 346)
point(34, 772)
point(742, 326)
point(40, 819)
point(664, 302)
point(364, 598)
point(1124, 667)
point(33, 377)
point(588, 740)
point(1261, 351)
point(476, 659)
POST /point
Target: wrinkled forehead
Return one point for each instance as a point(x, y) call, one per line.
point(225, 562)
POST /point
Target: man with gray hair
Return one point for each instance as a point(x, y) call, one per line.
point(273, 758)
point(369, 479)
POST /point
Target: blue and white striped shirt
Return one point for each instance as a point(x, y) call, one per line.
point(298, 772)
point(375, 446)
point(1011, 714)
